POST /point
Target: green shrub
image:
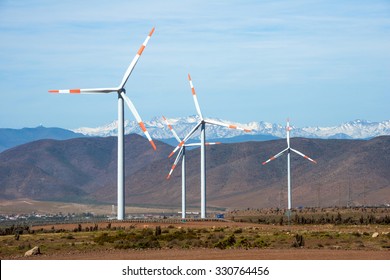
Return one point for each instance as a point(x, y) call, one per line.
point(299, 241)
point(260, 243)
point(69, 236)
point(226, 243)
point(244, 243)
point(102, 238)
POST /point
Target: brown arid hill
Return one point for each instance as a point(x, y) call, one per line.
point(71, 170)
point(349, 172)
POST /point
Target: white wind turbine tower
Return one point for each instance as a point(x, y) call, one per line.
point(288, 150)
point(202, 125)
point(182, 155)
point(122, 97)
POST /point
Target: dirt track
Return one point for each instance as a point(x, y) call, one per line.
point(217, 254)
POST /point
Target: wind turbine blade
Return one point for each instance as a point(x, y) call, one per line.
point(303, 155)
point(195, 98)
point(288, 129)
point(185, 139)
point(232, 126)
point(171, 129)
point(135, 60)
point(212, 143)
point(193, 145)
point(275, 156)
point(175, 162)
point(138, 118)
point(84, 91)
point(198, 144)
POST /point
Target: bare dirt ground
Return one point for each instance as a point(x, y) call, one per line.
point(217, 254)
point(48, 207)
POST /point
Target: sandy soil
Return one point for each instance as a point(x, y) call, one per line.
point(217, 254)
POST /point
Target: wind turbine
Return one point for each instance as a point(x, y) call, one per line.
point(182, 155)
point(202, 125)
point(288, 150)
point(122, 97)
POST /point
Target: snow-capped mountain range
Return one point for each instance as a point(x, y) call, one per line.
point(358, 129)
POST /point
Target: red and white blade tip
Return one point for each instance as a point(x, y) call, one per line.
point(143, 46)
point(177, 147)
point(193, 91)
point(153, 145)
point(143, 128)
point(312, 160)
point(151, 32)
point(167, 123)
point(268, 160)
point(73, 91)
point(232, 126)
point(170, 172)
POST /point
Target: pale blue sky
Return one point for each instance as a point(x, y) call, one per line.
point(320, 63)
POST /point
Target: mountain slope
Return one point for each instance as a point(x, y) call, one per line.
point(71, 169)
point(352, 172)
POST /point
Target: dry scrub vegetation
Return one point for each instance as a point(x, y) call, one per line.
point(267, 229)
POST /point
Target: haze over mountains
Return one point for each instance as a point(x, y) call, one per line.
point(354, 172)
point(261, 131)
point(13, 137)
point(358, 129)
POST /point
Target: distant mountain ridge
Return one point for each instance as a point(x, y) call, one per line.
point(13, 137)
point(261, 131)
point(358, 129)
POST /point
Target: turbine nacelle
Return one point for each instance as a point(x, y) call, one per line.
point(288, 149)
point(182, 146)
